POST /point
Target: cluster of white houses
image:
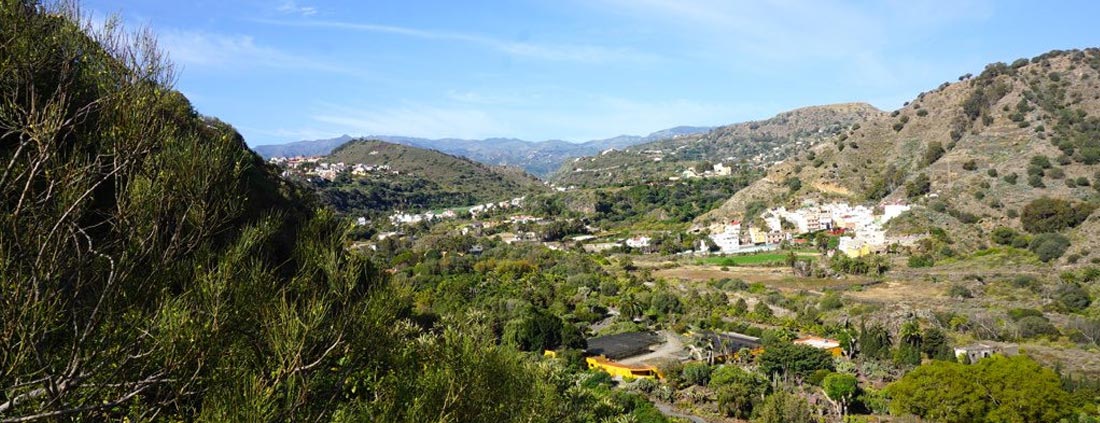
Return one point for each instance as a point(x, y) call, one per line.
point(316, 167)
point(862, 231)
point(402, 218)
point(719, 170)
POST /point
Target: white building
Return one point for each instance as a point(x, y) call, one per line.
point(890, 211)
point(727, 237)
point(638, 242)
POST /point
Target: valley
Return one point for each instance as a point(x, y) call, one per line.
point(832, 263)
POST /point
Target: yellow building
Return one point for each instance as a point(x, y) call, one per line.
point(619, 369)
point(757, 236)
point(853, 248)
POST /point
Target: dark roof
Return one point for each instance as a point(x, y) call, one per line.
point(622, 345)
point(730, 341)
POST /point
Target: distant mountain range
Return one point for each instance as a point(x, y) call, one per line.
point(539, 158)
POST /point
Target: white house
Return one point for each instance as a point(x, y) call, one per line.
point(891, 211)
point(638, 242)
point(973, 353)
point(728, 237)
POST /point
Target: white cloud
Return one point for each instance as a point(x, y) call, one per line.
point(221, 51)
point(550, 52)
point(292, 8)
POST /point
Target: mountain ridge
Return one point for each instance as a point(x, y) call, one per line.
point(536, 157)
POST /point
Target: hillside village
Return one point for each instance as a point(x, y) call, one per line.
point(319, 167)
point(861, 231)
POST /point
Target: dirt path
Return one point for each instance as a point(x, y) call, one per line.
point(780, 278)
point(671, 411)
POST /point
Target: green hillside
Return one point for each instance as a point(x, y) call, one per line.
point(419, 179)
point(756, 144)
point(152, 268)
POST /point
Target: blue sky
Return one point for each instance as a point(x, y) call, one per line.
point(574, 69)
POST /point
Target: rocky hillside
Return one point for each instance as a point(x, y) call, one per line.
point(418, 178)
point(973, 153)
point(755, 144)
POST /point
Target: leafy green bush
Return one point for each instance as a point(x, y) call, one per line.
point(794, 360)
point(696, 373)
point(1049, 246)
point(1047, 214)
point(1034, 326)
point(918, 186)
point(1016, 389)
point(1024, 281)
point(959, 291)
point(921, 260)
point(1072, 297)
point(1020, 313)
point(739, 392)
point(933, 152)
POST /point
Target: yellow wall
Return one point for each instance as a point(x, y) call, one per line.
point(757, 236)
point(621, 370)
point(857, 252)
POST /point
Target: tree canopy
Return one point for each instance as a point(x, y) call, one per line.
point(996, 389)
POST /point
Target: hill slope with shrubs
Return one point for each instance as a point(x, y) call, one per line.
point(418, 179)
point(973, 154)
point(755, 144)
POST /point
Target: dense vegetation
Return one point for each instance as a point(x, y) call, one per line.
point(152, 267)
point(997, 389)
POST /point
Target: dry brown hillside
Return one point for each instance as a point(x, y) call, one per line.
point(989, 128)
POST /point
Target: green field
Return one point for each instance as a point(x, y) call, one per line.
point(751, 259)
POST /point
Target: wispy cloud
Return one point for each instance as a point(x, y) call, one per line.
point(866, 41)
point(594, 117)
point(801, 29)
point(586, 53)
point(292, 8)
point(199, 49)
point(417, 120)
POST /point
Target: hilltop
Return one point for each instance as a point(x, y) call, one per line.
point(754, 144)
point(411, 178)
point(538, 158)
point(972, 153)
